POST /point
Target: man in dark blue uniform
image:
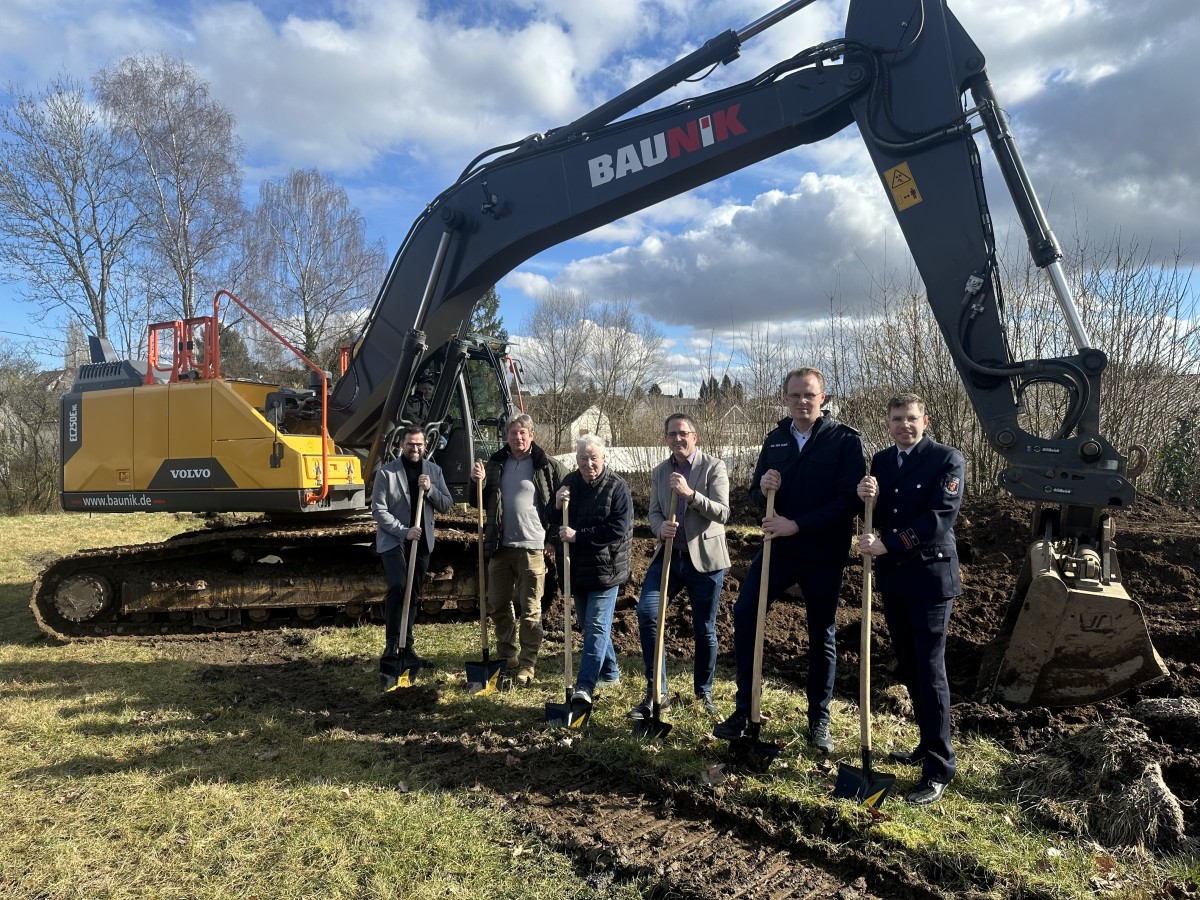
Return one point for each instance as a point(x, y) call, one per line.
point(918, 488)
point(814, 464)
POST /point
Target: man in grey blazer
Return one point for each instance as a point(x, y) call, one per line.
point(699, 556)
point(393, 506)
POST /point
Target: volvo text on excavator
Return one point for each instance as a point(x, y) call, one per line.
point(915, 84)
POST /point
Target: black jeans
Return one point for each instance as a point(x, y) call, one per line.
point(395, 567)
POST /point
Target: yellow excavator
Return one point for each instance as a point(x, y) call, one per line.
point(173, 433)
point(913, 81)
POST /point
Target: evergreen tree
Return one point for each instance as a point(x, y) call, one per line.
point(485, 318)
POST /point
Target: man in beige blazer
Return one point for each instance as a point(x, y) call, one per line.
point(698, 559)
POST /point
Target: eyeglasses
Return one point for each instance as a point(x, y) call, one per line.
point(679, 434)
point(420, 446)
point(796, 398)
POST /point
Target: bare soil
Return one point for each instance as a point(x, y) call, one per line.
point(687, 844)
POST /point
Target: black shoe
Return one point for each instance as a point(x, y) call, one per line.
point(706, 701)
point(645, 708)
point(733, 727)
point(906, 757)
point(819, 737)
point(927, 791)
point(411, 660)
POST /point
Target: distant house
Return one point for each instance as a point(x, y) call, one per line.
point(591, 421)
point(737, 427)
point(722, 423)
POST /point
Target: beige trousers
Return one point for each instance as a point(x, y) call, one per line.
point(516, 579)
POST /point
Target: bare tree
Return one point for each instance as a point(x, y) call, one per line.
point(1141, 309)
point(187, 170)
point(1136, 307)
point(311, 265)
point(899, 349)
point(763, 359)
point(713, 366)
point(624, 358)
point(553, 357)
point(28, 433)
point(66, 225)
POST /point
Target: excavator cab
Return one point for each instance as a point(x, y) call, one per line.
point(463, 422)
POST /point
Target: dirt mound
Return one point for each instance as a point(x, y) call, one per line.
point(1104, 782)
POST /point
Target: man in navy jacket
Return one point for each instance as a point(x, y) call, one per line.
point(814, 464)
point(918, 486)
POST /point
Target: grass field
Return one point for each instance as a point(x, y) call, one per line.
point(126, 774)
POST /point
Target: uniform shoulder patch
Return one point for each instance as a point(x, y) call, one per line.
point(952, 485)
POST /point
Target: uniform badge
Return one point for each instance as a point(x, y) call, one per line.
point(952, 486)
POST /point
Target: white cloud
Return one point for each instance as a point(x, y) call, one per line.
point(394, 99)
point(784, 255)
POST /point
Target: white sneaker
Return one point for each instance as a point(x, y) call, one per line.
point(581, 696)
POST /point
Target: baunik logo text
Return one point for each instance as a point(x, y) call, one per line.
point(650, 151)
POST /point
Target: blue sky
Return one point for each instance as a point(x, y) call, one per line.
point(392, 99)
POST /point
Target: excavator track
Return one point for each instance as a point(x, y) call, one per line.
point(251, 576)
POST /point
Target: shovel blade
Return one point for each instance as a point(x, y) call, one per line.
point(868, 787)
point(568, 715)
point(406, 678)
point(484, 678)
point(652, 729)
point(751, 752)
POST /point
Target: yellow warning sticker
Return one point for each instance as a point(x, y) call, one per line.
point(904, 190)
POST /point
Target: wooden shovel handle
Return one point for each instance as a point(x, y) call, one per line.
point(761, 626)
point(864, 642)
point(668, 546)
point(483, 636)
point(412, 566)
point(568, 601)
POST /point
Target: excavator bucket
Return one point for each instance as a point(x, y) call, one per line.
point(1068, 641)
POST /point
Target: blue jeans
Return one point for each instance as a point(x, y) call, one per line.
point(704, 591)
point(820, 584)
point(597, 659)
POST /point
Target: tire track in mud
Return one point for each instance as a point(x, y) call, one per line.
point(674, 843)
